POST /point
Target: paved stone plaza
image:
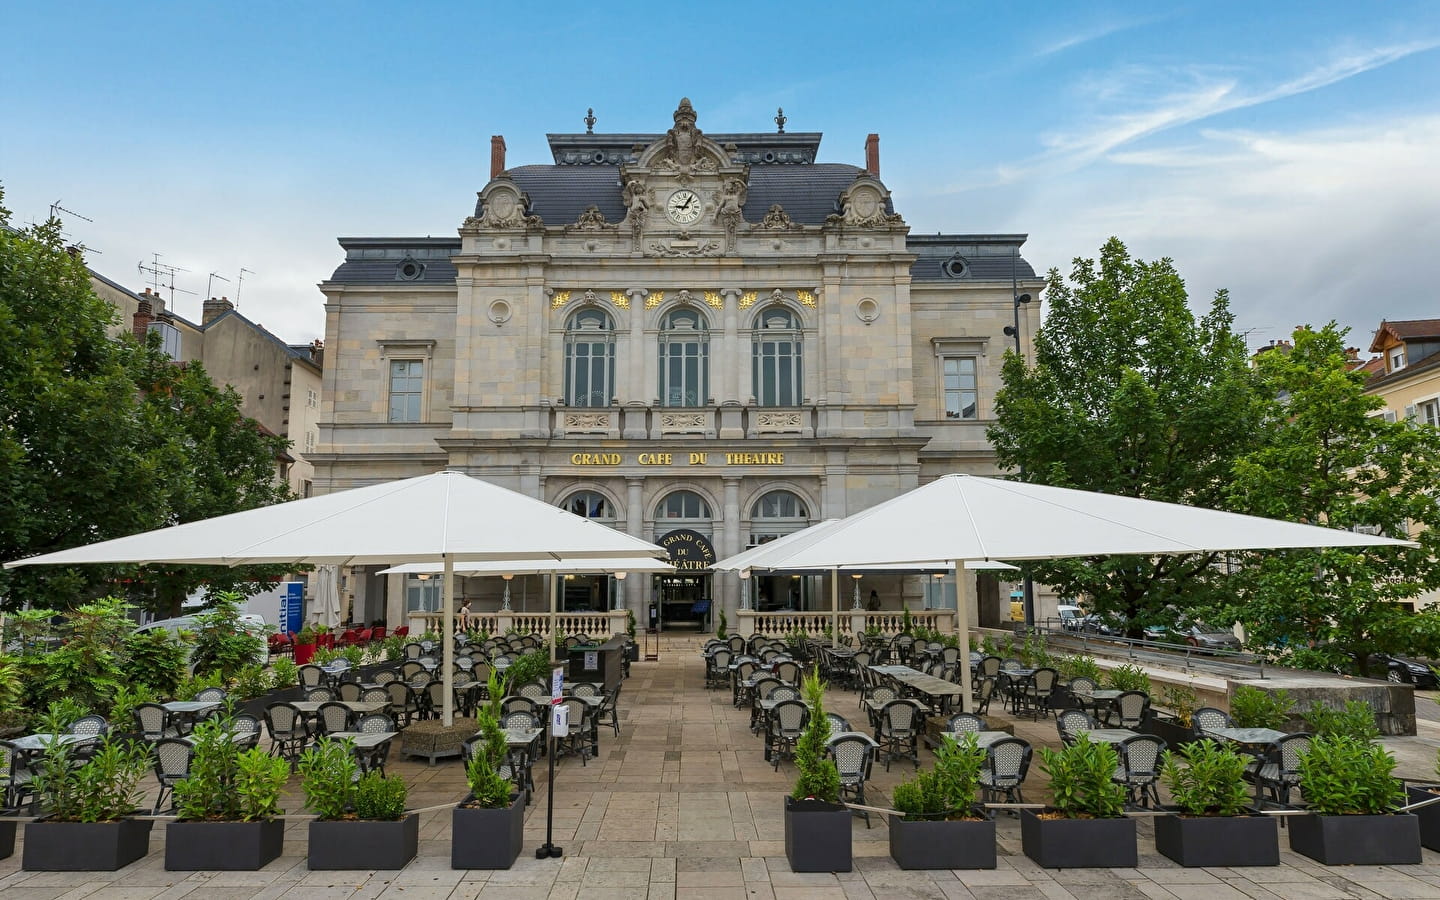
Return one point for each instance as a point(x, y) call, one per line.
point(682, 805)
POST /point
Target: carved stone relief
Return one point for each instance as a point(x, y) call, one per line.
point(776, 219)
point(577, 421)
point(503, 205)
point(684, 249)
point(862, 205)
point(592, 219)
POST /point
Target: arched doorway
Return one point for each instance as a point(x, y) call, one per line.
point(683, 527)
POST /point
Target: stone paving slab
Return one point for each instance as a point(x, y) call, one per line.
point(682, 805)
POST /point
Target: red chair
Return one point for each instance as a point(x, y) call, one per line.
point(362, 636)
point(378, 633)
point(348, 637)
point(402, 631)
point(280, 644)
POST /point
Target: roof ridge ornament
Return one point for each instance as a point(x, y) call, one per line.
point(590, 120)
point(780, 120)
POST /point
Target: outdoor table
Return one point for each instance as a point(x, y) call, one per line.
point(1248, 736)
point(937, 691)
point(982, 738)
point(33, 742)
point(312, 707)
point(365, 741)
point(236, 737)
point(1110, 735)
point(191, 707)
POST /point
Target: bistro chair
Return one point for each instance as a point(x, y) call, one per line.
point(332, 717)
point(898, 732)
point(516, 703)
point(211, 695)
point(155, 722)
point(432, 699)
point(743, 672)
point(93, 726)
point(717, 667)
point(783, 692)
point(412, 650)
point(248, 725)
point(519, 718)
point(1278, 770)
point(989, 667)
point(788, 672)
point(349, 691)
point(608, 713)
point(1035, 692)
point(16, 776)
point(577, 738)
point(585, 689)
point(172, 764)
point(879, 693)
point(385, 676)
point(853, 755)
point(1131, 710)
point(535, 690)
point(311, 676)
point(289, 731)
point(319, 695)
point(838, 723)
point(963, 722)
point(404, 705)
point(1070, 722)
point(1139, 770)
point(1007, 762)
point(373, 760)
point(737, 644)
point(411, 669)
point(1206, 718)
point(984, 691)
point(787, 721)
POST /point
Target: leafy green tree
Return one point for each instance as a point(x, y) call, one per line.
point(100, 438)
point(1130, 394)
point(1329, 459)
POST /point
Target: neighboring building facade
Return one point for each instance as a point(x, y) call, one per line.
point(1406, 375)
point(703, 340)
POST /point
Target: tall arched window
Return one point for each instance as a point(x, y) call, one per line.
point(590, 505)
point(775, 514)
point(682, 505)
point(589, 359)
point(776, 348)
point(684, 359)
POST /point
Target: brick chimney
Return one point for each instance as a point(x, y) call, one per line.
point(213, 309)
point(497, 155)
point(317, 352)
point(872, 154)
point(144, 315)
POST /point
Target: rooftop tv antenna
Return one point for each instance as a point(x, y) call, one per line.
point(240, 283)
point(211, 281)
point(163, 275)
point(56, 209)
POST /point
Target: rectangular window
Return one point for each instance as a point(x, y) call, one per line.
point(312, 399)
point(407, 381)
point(422, 595)
point(958, 377)
point(1397, 358)
point(310, 440)
point(1428, 413)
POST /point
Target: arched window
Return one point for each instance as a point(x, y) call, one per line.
point(779, 505)
point(589, 359)
point(682, 505)
point(684, 359)
point(776, 347)
point(590, 505)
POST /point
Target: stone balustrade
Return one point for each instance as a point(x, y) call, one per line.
point(778, 624)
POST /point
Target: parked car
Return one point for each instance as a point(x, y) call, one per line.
point(1404, 670)
point(1200, 635)
point(1071, 618)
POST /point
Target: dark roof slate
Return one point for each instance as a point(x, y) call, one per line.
point(972, 257)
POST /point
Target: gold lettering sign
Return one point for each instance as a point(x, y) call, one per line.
point(595, 459)
point(654, 459)
point(754, 459)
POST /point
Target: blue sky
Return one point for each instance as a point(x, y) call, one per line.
point(1286, 151)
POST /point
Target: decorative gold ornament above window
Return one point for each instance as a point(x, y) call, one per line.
point(806, 298)
point(748, 299)
point(715, 299)
point(620, 299)
point(654, 299)
point(559, 299)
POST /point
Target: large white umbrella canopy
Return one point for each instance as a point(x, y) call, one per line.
point(443, 518)
point(538, 567)
point(966, 517)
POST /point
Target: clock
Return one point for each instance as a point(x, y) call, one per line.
point(683, 207)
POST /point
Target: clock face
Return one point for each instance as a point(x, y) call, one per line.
point(683, 207)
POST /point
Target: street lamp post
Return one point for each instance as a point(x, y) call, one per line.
point(1014, 332)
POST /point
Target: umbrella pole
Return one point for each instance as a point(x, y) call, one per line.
point(448, 636)
point(554, 604)
point(835, 605)
point(962, 614)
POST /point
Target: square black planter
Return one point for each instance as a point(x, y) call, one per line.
point(7, 838)
point(84, 847)
point(1079, 843)
point(942, 845)
point(1219, 840)
point(817, 836)
point(1384, 840)
point(364, 844)
point(223, 846)
point(1429, 816)
point(487, 838)
point(1169, 730)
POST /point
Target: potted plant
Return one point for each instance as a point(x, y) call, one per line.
point(87, 825)
point(360, 823)
point(1173, 728)
point(817, 826)
point(227, 806)
point(941, 827)
point(1086, 827)
point(1351, 795)
point(305, 641)
point(487, 829)
point(1210, 826)
point(1253, 708)
point(1429, 816)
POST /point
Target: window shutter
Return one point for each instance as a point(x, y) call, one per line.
point(1390, 415)
point(1410, 415)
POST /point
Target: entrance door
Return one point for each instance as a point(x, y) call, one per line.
point(677, 596)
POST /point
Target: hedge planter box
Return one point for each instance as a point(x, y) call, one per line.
point(364, 844)
point(1169, 730)
point(7, 838)
point(1385, 840)
point(1219, 840)
point(84, 847)
point(1429, 816)
point(817, 836)
point(487, 838)
point(1079, 843)
point(223, 846)
point(942, 844)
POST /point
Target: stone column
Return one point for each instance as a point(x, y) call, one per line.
point(637, 587)
point(730, 543)
point(635, 387)
point(732, 349)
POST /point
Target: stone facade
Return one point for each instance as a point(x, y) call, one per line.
point(719, 315)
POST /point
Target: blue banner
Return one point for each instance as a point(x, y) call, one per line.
point(292, 606)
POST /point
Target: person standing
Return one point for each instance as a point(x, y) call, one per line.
point(874, 604)
point(462, 617)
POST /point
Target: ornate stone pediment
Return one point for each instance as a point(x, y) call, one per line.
point(776, 219)
point(503, 205)
point(862, 205)
point(684, 249)
point(684, 150)
point(592, 219)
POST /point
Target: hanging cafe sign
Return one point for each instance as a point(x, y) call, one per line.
point(689, 550)
point(678, 459)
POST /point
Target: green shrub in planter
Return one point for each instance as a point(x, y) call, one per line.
point(228, 805)
point(817, 828)
point(941, 829)
point(1209, 783)
point(359, 824)
point(1253, 708)
point(1087, 826)
point(1080, 779)
point(283, 674)
point(1211, 828)
point(85, 827)
point(1351, 792)
point(487, 828)
point(1356, 719)
point(1129, 678)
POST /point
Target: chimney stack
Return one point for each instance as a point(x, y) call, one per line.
point(872, 154)
point(497, 155)
point(144, 315)
point(213, 309)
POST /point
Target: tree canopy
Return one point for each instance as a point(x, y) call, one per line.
point(1130, 394)
point(100, 438)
